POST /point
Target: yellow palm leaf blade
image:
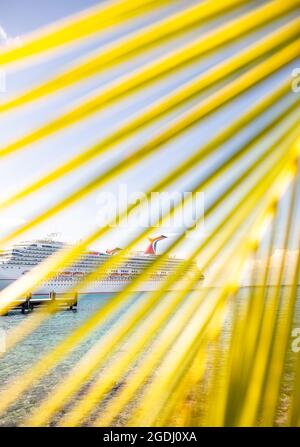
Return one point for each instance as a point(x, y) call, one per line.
point(272, 315)
point(182, 123)
point(47, 268)
point(157, 391)
point(35, 319)
point(232, 396)
point(53, 357)
point(153, 345)
point(121, 50)
point(154, 70)
point(158, 109)
point(123, 295)
point(73, 29)
point(99, 386)
point(280, 346)
point(293, 415)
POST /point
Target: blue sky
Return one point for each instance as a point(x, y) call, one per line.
point(20, 17)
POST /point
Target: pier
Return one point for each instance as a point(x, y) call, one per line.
point(65, 302)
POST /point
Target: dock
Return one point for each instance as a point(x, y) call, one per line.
point(30, 302)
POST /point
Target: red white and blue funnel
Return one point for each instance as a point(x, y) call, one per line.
point(151, 249)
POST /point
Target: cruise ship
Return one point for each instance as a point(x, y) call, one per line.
point(22, 257)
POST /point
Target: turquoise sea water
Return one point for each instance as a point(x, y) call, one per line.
point(53, 330)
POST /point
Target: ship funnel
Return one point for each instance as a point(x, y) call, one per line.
point(151, 249)
point(114, 251)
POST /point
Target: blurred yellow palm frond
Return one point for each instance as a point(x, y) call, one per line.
point(216, 355)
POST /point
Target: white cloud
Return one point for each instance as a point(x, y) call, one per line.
point(11, 222)
point(6, 40)
point(217, 275)
point(3, 34)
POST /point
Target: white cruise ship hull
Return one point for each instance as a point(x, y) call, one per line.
point(8, 275)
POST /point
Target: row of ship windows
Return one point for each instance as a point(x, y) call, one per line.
point(114, 279)
point(132, 272)
point(91, 261)
point(50, 250)
point(87, 258)
point(103, 284)
point(87, 262)
point(42, 254)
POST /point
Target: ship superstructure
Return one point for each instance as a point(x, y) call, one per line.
point(22, 257)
